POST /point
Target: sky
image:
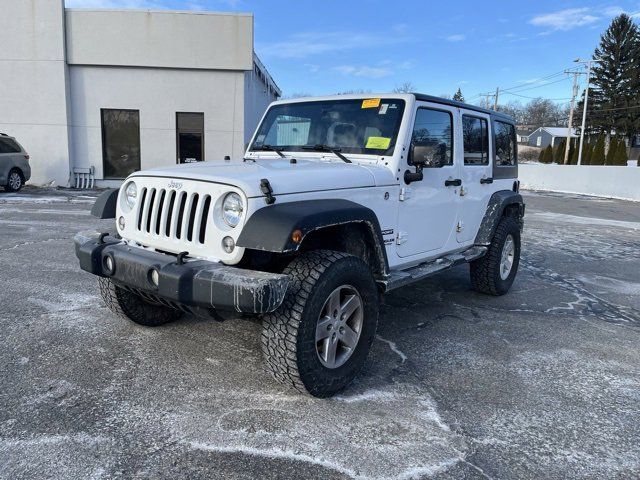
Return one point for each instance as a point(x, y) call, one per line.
point(325, 47)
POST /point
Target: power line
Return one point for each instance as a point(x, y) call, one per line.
point(533, 98)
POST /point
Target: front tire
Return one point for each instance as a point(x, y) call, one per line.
point(494, 273)
point(319, 338)
point(15, 181)
point(128, 305)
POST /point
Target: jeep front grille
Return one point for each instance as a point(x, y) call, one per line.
point(174, 214)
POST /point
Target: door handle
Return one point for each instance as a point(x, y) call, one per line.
point(453, 183)
point(486, 180)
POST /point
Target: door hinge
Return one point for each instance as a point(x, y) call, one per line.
point(405, 194)
point(401, 238)
point(459, 227)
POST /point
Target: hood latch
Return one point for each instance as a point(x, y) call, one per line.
point(265, 187)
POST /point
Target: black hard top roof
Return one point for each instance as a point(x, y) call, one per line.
point(445, 101)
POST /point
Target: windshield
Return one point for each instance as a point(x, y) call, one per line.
point(361, 126)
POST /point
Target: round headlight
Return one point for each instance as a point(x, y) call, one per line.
point(232, 209)
point(131, 194)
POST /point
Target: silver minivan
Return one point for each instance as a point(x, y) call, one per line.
point(14, 164)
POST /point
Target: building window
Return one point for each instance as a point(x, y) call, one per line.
point(475, 137)
point(190, 137)
point(505, 154)
point(539, 141)
point(120, 142)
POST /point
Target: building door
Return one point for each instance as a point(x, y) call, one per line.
point(190, 137)
point(428, 209)
point(120, 143)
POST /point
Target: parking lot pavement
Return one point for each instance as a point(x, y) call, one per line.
point(541, 383)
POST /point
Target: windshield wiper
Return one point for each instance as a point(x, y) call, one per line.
point(269, 148)
point(326, 148)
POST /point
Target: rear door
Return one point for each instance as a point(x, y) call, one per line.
point(475, 172)
point(428, 208)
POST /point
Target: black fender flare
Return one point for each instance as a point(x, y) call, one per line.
point(105, 204)
point(498, 202)
point(269, 229)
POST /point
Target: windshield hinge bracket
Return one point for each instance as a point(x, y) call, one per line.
point(265, 188)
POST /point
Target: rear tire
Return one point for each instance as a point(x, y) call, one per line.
point(131, 306)
point(319, 338)
point(15, 181)
point(494, 273)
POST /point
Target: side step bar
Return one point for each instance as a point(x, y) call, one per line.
point(401, 278)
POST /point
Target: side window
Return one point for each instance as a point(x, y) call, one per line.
point(8, 146)
point(433, 129)
point(475, 137)
point(505, 154)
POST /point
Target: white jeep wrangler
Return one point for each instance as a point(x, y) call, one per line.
point(337, 201)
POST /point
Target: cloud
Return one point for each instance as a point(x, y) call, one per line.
point(364, 71)
point(614, 11)
point(458, 37)
point(306, 44)
point(566, 19)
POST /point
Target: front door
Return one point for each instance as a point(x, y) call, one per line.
point(475, 173)
point(428, 208)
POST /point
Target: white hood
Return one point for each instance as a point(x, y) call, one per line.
point(284, 176)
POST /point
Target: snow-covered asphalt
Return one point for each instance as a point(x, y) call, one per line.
point(541, 383)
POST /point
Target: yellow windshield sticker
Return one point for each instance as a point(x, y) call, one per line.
point(371, 103)
point(378, 143)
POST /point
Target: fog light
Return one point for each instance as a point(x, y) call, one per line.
point(109, 264)
point(121, 223)
point(154, 277)
point(228, 244)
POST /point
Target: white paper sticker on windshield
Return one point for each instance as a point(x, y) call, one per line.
point(260, 138)
point(383, 109)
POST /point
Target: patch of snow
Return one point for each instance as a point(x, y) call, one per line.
point(368, 396)
point(394, 348)
point(590, 221)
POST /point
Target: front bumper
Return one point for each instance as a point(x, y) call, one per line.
point(195, 284)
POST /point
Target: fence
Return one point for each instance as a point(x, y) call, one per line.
point(603, 181)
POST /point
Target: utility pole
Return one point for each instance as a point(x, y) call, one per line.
point(569, 127)
point(586, 99)
point(495, 102)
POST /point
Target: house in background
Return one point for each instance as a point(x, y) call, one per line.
point(115, 91)
point(522, 136)
point(545, 136)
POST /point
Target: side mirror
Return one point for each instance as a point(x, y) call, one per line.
point(430, 156)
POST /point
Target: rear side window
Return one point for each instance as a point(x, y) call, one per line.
point(8, 146)
point(475, 136)
point(505, 144)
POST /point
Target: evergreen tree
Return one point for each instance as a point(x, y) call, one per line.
point(541, 156)
point(597, 155)
point(573, 154)
point(610, 158)
point(621, 154)
point(547, 156)
point(558, 155)
point(616, 80)
point(458, 96)
point(587, 153)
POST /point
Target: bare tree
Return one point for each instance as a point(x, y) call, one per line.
point(406, 87)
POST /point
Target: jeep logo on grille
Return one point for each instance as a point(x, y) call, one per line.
point(175, 185)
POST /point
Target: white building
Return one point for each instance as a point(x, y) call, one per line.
point(123, 90)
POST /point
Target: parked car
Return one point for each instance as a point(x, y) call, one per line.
point(338, 201)
point(15, 170)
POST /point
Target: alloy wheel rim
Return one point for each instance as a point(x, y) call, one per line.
point(507, 258)
point(339, 326)
point(15, 181)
